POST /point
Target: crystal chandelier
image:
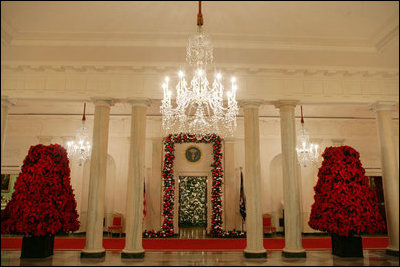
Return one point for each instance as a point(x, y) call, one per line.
point(306, 152)
point(80, 148)
point(199, 105)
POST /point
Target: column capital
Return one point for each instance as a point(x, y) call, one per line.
point(98, 101)
point(385, 105)
point(338, 141)
point(286, 103)
point(44, 139)
point(156, 139)
point(139, 102)
point(65, 138)
point(251, 103)
point(6, 102)
point(229, 140)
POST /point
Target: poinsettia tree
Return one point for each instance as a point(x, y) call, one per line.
point(344, 203)
point(43, 201)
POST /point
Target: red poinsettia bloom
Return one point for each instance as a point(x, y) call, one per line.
point(344, 203)
point(43, 202)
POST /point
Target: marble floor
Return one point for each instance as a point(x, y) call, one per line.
point(176, 258)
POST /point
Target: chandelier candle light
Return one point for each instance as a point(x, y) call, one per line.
point(199, 106)
point(80, 148)
point(306, 152)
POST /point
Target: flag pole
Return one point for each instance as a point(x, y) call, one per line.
point(241, 196)
point(241, 180)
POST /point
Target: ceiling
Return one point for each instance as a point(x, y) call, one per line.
point(305, 33)
point(285, 34)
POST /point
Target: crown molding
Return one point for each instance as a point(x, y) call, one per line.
point(7, 102)
point(386, 34)
point(7, 32)
point(171, 68)
point(387, 38)
point(174, 39)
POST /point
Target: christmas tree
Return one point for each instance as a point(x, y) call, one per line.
point(43, 202)
point(344, 203)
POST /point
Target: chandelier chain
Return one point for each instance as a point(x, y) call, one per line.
point(84, 111)
point(199, 16)
point(307, 152)
point(80, 148)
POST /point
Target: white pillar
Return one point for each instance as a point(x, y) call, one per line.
point(154, 185)
point(291, 191)
point(231, 188)
point(134, 197)
point(98, 171)
point(252, 181)
point(5, 104)
point(390, 172)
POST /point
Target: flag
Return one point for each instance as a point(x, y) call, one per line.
point(242, 204)
point(144, 201)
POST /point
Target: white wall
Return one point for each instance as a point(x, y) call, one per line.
point(22, 132)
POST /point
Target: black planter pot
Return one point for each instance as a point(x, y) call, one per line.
point(347, 246)
point(37, 246)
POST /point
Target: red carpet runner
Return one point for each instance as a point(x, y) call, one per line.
point(321, 243)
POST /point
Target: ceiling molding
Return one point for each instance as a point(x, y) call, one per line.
point(165, 68)
point(386, 34)
point(387, 38)
point(7, 32)
point(172, 39)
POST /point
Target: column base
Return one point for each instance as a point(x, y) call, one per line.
point(255, 254)
point(392, 252)
point(93, 255)
point(294, 253)
point(132, 255)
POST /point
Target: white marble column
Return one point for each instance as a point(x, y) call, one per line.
point(5, 104)
point(390, 172)
point(252, 181)
point(153, 195)
point(134, 197)
point(45, 140)
point(231, 189)
point(98, 171)
point(291, 191)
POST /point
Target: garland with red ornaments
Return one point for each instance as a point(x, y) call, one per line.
point(169, 182)
point(167, 228)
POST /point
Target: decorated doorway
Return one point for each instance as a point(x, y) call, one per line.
point(192, 201)
point(217, 174)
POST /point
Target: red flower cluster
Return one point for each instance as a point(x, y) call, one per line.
point(344, 203)
point(43, 202)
